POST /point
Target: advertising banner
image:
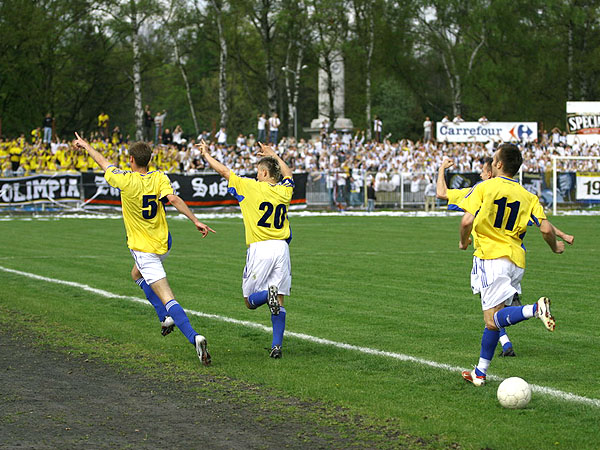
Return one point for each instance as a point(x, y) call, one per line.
point(203, 190)
point(40, 188)
point(583, 122)
point(588, 186)
point(491, 131)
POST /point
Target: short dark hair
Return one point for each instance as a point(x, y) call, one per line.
point(487, 161)
point(141, 153)
point(511, 158)
point(272, 166)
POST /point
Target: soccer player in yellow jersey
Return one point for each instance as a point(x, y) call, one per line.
point(264, 203)
point(143, 195)
point(499, 210)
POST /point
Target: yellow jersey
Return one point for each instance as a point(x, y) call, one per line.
point(264, 207)
point(455, 196)
point(143, 211)
point(502, 209)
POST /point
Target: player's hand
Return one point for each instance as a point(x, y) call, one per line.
point(79, 142)
point(203, 147)
point(560, 247)
point(464, 246)
point(569, 239)
point(447, 163)
point(266, 150)
point(204, 229)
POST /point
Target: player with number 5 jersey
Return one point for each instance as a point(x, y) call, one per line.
point(143, 195)
point(264, 202)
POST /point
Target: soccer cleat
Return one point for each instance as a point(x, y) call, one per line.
point(275, 351)
point(477, 380)
point(508, 352)
point(543, 313)
point(516, 301)
point(167, 325)
point(272, 300)
point(201, 349)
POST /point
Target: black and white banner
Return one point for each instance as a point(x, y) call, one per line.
point(40, 188)
point(206, 190)
point(588, 186)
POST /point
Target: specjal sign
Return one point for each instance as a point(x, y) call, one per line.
point(490, 131)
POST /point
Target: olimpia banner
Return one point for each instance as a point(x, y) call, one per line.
point(40, 188)
point(490, 131)
point(205, 190)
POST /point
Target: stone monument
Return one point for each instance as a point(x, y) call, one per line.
point(337, 75)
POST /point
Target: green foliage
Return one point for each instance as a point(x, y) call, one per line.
point(73, 59)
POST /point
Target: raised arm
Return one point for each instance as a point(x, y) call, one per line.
point(96, 155)
point(267, 150)
point(180, 205)
point(549, 235)
point(217, 166)
point(441, 187)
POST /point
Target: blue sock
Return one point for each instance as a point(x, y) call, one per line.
point(278, 322)
point(258, 298)
point(161, 312)
point(510, 315)
point(181, 320)
point(504, 340)
point(489, 340)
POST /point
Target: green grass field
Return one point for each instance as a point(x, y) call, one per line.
point(395, 284)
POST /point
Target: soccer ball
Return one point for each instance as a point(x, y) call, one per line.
point(514, 393)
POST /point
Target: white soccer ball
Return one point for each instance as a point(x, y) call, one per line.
point(514, 393)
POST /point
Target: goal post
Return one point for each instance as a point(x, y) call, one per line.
point(555, 159)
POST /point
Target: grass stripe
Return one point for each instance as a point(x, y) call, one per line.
point(562, 395)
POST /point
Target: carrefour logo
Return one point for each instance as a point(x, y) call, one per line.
point(518, 131)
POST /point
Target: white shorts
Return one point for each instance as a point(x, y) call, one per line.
point(497, 280)
point(267, 264)
point(150, 265)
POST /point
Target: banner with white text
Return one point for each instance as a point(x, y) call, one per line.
point(203, 190)
point(490, 131)
point(40, 188)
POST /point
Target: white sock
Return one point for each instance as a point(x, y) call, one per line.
point(527, 311)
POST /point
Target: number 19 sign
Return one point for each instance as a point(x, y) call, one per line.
point(588, 186)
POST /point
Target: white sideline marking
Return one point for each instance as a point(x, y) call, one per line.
point(568, 396)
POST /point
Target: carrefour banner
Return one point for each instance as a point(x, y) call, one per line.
point(491, 131)
point(40, 188)
point(204, 190)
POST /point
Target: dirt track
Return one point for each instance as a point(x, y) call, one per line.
point(51, 399)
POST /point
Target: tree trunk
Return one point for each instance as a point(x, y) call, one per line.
point(137, 80)
point(187, 86)
point(370, 45)
point(222, 67)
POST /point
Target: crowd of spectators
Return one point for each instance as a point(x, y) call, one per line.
point(339, 151)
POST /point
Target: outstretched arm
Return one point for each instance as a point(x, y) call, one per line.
point(441, 187)
point(217, 166)
point(267, 150)
point(549, 235)
point(180, 205)
point(564, 236)
point(96, 155)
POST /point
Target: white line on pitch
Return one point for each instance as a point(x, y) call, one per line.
point(568, 396)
